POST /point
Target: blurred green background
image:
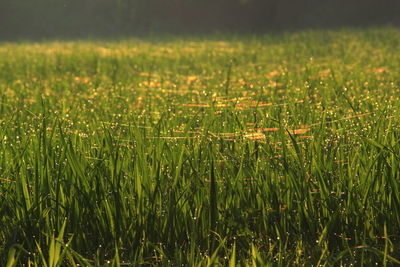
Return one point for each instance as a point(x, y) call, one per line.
point(44, 19)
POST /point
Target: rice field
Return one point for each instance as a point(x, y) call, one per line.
point(273, 150)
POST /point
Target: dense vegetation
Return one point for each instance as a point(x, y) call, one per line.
point(274, 150)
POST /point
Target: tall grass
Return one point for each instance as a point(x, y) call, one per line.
point(273, 150)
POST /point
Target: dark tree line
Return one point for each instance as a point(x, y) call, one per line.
point(108, 18)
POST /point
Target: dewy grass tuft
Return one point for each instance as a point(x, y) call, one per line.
point(280, 149)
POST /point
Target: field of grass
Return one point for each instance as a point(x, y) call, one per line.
point(273, 150)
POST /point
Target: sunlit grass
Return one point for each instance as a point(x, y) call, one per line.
point(271, 150)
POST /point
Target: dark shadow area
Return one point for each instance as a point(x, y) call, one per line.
point(64, 19)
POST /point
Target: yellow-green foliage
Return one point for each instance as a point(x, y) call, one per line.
point(277, 149)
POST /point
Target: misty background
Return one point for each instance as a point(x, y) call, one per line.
point(46, 19)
